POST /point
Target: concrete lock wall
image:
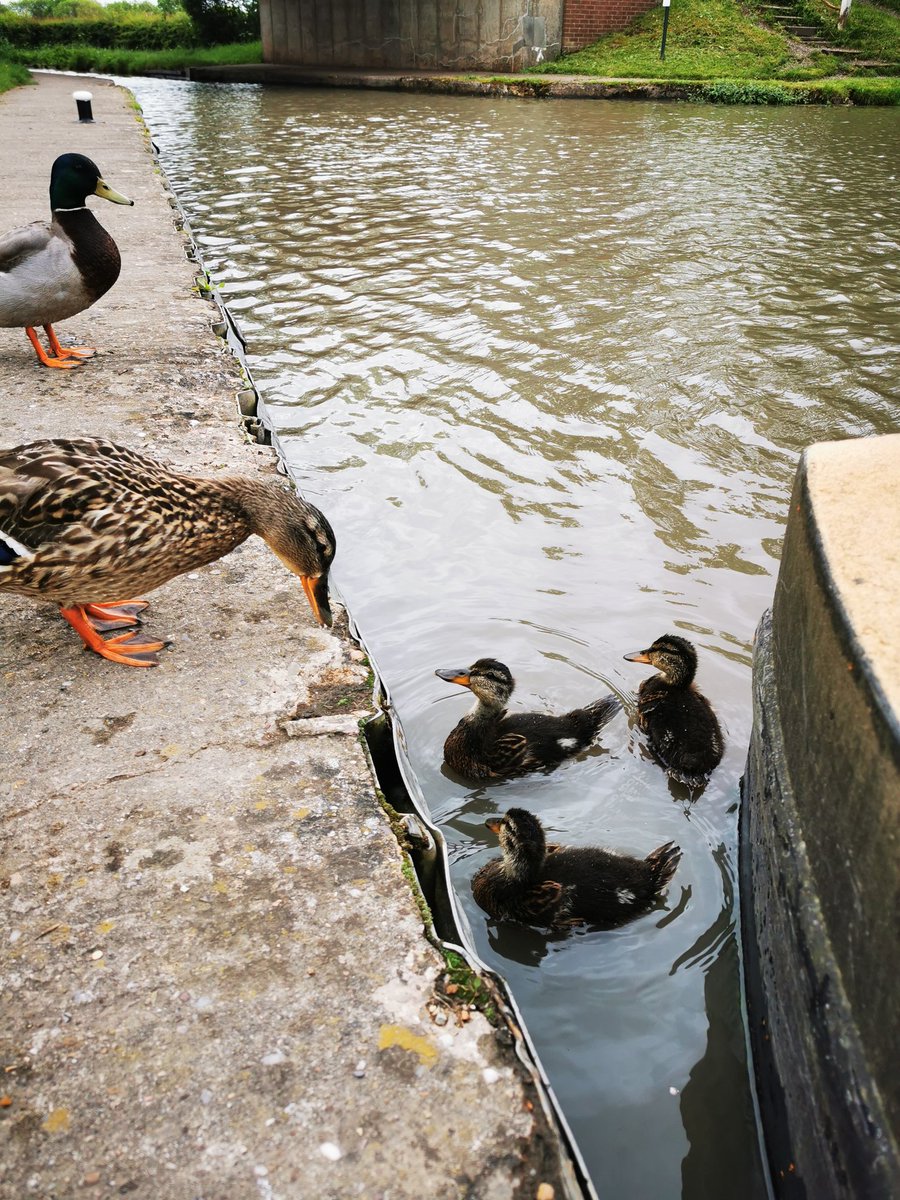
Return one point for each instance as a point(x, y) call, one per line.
point(496, 35)
point(493, 34)
point(820, 833)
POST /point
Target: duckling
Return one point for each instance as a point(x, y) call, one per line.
point(489, 743)
point(679, 721)
point(51, 271)
point(564, 885)
point(84, 520)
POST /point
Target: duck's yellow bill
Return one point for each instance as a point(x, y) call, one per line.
point(637, 656)
point(454, 676)
point(107, 193)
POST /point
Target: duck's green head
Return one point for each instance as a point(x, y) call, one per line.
point(73, 178)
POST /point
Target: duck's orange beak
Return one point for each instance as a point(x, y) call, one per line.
point(454, 676)
point(316, 588)
point(494, 824)
point(637, 656)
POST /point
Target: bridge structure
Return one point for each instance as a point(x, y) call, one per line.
point(456, 35)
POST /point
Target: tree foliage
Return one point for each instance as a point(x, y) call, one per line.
point(213, 22)
point(221, 21)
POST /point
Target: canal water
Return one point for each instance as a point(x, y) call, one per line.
point(548, 367)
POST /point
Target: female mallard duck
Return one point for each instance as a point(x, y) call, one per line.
point(52, 271)
point(85, 520)
point(679, 721)
point(566, 885)
point(489, 743)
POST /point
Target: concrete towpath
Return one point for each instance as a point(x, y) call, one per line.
point(215, 981)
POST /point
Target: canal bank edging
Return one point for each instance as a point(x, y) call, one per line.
point(421, 843)
point(550, 87)
point(425, 848)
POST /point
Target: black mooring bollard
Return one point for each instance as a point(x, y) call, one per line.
point(83, 100)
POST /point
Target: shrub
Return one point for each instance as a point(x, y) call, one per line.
point(138, 32)
point(750, 91)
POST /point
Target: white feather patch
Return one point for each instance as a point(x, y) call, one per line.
point(16, 546)
point(567, 743)
point(624, 896)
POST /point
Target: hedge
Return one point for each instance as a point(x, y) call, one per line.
point(141, 32)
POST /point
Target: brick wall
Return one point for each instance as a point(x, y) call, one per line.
point(585, 20)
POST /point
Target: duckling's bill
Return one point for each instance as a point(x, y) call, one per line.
point(637, 656)
point(494, 824)
point(453, 675)
point(105, 192)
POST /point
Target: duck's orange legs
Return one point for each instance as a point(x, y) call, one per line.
point(64, 364)
point(77, 352)
point(122, 649)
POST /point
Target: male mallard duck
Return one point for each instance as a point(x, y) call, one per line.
point(489, 743)
point(678, 720)
point(565, 885)
point(52, 271)
point(85, 520)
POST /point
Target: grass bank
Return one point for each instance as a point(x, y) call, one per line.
point(747, 61)
point(131, 62)
point(12, 75)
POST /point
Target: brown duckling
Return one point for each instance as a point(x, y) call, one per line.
point(566, 885)
point(489, 743)
point(679, 721)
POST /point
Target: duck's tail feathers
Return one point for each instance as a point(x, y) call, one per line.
point(12, 550)
point(663, 862)
point(603, 710)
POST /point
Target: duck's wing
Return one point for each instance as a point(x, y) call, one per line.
point(16, 492)
point(545, 903)
point(76, 489)
point(20, 245)
point(511, 754)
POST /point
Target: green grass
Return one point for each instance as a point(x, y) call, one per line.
point(718, 39)
point(870, 29)
point(12, 75)
point(134, 62)
point(707, 39)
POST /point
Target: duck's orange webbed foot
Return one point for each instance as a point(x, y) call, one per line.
point(117, 614)
point(64, 352)
point(64, 364)
point(123, 649)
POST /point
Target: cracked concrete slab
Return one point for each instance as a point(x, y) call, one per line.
point(215, 982)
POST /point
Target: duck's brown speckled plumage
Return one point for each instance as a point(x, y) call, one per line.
point(552, 887)
point(94, 521)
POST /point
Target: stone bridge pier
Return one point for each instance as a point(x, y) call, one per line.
point(456, 35)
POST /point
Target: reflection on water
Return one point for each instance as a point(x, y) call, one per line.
point(548, 367)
